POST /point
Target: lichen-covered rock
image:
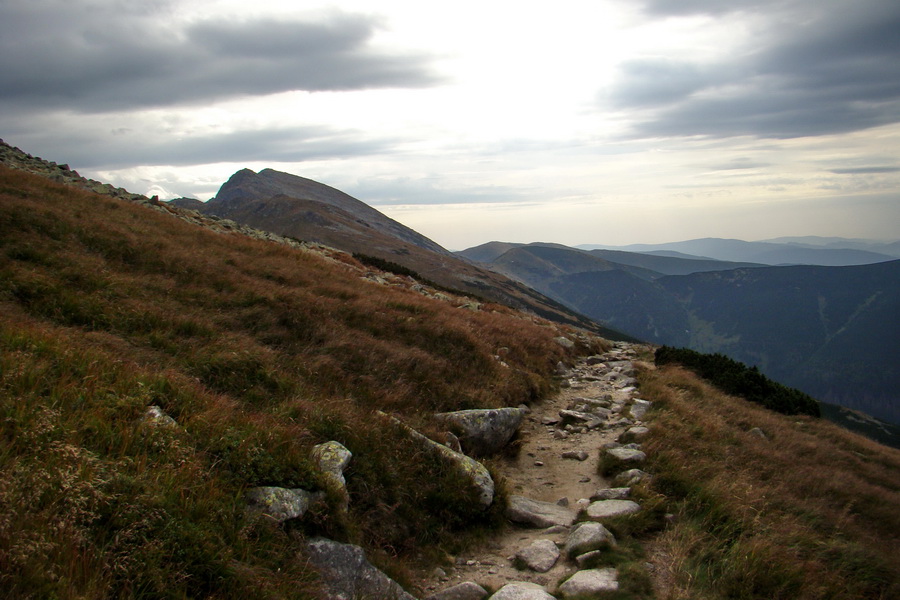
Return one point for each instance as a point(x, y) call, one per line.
point(587, 536)
point(276, 503)
point(585, 584)
point(332, 459)
point(348, 574)
point(483, 432)
point(473, 470)
point(537, 513)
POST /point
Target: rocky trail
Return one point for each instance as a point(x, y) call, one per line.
point(551, 480)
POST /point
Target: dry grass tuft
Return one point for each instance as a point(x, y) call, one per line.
point(809, 512)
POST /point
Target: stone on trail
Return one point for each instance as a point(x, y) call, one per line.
point(580, 455)
point(602, 509)
point(348, 574)
point(630, 477)
point(276, 503)
point(521, 590)
point(638, 432)
point(537, 513)
point(467, 590)
point(483, 432)
point(618, 493)
point(591, 582)
point(627, 455)
point(639, 408)
point(540, 556)
point(588, 536)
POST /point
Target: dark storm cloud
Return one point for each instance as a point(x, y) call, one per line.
point(58, 55)
point(819, 68)
point(283, 144)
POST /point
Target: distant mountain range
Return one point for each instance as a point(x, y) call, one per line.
point(830, 331)
point(832, 252)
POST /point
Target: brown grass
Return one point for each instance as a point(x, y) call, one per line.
point(809, 513)
point(259, 351)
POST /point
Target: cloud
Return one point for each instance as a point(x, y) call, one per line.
point(814, 69)
point(121, 149)
point(119, 56)
point(864, 170)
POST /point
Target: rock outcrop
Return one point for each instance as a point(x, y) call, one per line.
point(483, 432)
point(348, 575)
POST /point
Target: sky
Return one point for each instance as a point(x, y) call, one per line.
point(576, 122)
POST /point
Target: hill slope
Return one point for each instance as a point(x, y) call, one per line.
point(259, 351)
point(300, 208)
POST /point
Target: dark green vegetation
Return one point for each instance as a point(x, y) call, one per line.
point(832, 332)
point(737, 379)
point(807, 513)
point(259, 351)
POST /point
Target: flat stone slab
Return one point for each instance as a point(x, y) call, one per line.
point(537, 513)
point(521, 590)
point(591, 582)
point(540, 556)
point(603, 509)
point(627, 455)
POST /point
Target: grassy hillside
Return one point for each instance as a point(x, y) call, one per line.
point(259, 351)
point(809, 512)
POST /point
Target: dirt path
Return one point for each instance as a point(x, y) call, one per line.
point(540, 472)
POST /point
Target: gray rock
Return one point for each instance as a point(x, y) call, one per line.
point(348, 574)
point(483, 432)
point(467, 590)
point(538, 514)
point(583, 559)
point(635, 433)
point(470, 468)
point(540, 556)
point(564, 342)
point(521, 590)
point(627, 455)
point(603, 509)
point(580, 455)
point(630, 478)
point(639, 408)
point(589, 583)
point(618, 493)
point(156, 416)
point(332, 459)
point(757, 432)
point(276, 503)
point(588, 536)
